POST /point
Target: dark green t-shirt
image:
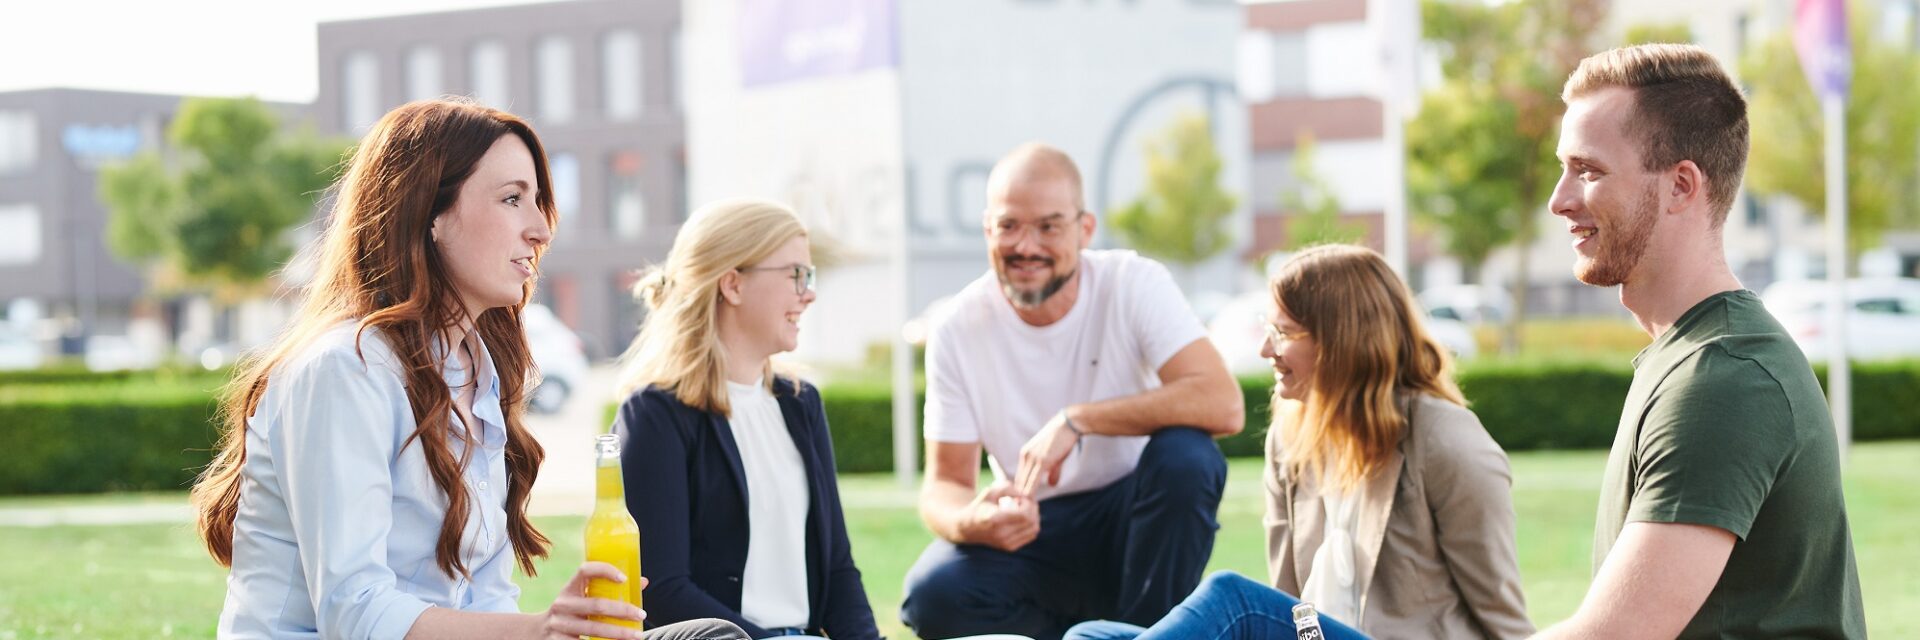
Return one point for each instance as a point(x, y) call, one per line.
point(1726, 426)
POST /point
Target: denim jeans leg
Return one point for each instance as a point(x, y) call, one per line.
point(1104, 630)
point(1228, 606)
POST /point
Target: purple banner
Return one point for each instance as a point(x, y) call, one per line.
point(788, 40)
point(1820, 36)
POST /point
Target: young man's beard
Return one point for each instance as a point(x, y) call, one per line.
point(1622, 244)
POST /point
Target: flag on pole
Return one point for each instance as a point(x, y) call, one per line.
point(1820, 37)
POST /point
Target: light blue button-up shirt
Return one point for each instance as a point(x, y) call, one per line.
point(339, 516)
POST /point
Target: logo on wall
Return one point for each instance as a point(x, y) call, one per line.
point(788, 40)
point(94, 145)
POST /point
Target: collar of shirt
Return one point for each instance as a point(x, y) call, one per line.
point(486, 401)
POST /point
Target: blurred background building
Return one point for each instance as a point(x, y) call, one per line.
point(599, 81)
point(878, 120)
point(60, 287)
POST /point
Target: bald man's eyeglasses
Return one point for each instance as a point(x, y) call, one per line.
point(1050, 228)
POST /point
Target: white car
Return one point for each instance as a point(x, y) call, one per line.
point(1468, 303)
point(1883, 319)
point(17, 350)
point(559, 355)
point(1237, 334)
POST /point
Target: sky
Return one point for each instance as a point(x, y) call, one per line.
point(263, 48)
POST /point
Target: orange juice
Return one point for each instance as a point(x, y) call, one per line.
point(612, 535)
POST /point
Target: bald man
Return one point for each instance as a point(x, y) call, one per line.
point(1091, 386)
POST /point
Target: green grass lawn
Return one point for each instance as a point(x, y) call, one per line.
point(147, 581)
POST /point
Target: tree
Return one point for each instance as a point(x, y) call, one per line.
point(1179, 217)
point(1883, 131)
point(1656, 33)
point(1315, 210)
point(1480, 161)
point(212, 216)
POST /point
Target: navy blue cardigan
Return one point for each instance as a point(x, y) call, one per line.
point(686, 489)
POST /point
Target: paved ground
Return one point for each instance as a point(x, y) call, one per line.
point(565, 486)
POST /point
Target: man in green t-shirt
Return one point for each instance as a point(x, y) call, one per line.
point(1721, 514)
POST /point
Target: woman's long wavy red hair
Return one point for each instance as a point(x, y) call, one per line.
point(377, 264)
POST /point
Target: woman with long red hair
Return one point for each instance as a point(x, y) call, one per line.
point(373, 477)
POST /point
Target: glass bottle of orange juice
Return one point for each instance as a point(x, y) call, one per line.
point(612, 535)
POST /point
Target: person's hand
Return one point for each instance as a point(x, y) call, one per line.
point(1045, 453)
point(1001, 518)
point(569, 617)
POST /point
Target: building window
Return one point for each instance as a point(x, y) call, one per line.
point(19, 141)
point(564, 170)
point(425, 74)
point(621, 74)
point(19, 234)
point(487, 68)
point(1289, 64)
point(625, 204)
point(553, 59)
point(676, 49)
point(359, 90)
point(679, 184)
point(1330, 51)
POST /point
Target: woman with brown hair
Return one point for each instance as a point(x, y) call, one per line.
point(1388, 505)
point(373, 478)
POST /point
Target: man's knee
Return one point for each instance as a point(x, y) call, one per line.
point(1185, 453)
point(944, 597)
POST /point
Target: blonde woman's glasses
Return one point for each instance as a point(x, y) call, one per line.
point(802, 275)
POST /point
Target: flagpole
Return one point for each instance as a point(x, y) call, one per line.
point(1839, 375)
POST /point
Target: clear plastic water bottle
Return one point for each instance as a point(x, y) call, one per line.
point(1307, 622)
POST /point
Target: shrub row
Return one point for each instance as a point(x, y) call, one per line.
point(144, 434)
point(88, 438)
point(1524, 404)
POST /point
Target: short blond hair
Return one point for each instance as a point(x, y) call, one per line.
point(1685, 107)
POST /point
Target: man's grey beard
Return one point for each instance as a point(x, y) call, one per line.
point(1031, 299)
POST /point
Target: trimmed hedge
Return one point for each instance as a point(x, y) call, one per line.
point(72, 372)
point(104, 437)
point(123, 432)
point(1524, 404)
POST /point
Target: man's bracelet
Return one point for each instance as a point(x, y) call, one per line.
point(1071, 426)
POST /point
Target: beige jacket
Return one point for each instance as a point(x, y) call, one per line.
point(1433, 538)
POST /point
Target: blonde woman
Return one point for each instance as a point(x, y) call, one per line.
point(729, 465)
point(374, 474)
point(1388, 505)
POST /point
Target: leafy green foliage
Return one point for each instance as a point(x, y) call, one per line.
point(1480, 154)
point(1656, 33)
point(1179, 217)
point(213, 213)
point(1882, 137)
point(1315, 211)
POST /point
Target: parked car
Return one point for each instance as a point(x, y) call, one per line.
point(558, 353)
point(1236, 332)
point(1468, 303)
point(1883, 316)
point(17, 349)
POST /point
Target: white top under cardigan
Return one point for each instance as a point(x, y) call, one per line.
point(773, 591)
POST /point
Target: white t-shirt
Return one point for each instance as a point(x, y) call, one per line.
point(773, 590)
point(995, 380)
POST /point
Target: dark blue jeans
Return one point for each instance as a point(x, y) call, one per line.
point(1227, 606)
point(1130, 551)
